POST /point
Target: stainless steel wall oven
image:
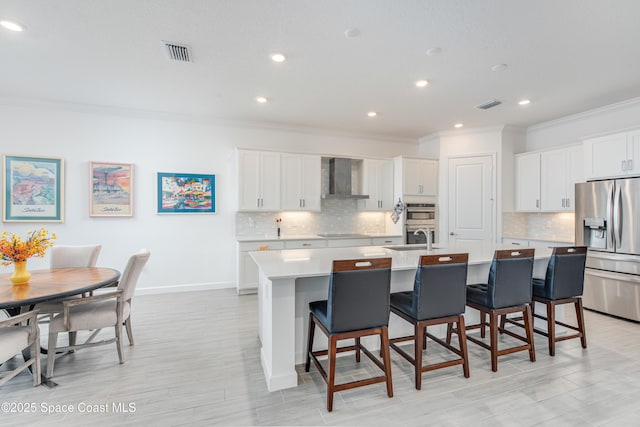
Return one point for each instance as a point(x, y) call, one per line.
point(420, 216)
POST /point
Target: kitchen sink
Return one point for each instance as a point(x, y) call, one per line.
point(420, 247)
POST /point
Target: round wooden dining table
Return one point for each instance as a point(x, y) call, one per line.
point(51, 284)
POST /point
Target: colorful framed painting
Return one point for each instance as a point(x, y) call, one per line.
point(33, 189)
point(111, 189)
point(186, 193)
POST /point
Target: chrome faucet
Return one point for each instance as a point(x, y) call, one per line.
point(427, 235)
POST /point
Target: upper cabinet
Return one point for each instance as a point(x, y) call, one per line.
point(378, 184)
point(528, 182)
point(301, 182)
point(545, 181)
point(258, 181)
point(612, 156)
point(420, 177)
point(560, 170)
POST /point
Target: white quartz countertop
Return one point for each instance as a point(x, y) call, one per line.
point(280, 264)
point(271, 237)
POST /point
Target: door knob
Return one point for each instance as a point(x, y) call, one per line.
point(452, 234)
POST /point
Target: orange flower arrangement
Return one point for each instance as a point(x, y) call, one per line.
point(15, 249)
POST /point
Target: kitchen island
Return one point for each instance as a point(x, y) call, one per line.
point(290, 279)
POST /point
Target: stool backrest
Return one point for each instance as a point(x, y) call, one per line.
point(510, 278)
point(439, 289)
point(359, 294)
point(565, 272)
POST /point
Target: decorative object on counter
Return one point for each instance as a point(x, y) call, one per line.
point(278, 221)
point(17, 251)
point(33, 188)
point(111, 189)
point(397, 211)
point(186, 193)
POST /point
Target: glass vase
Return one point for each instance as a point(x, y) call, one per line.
point(20, 274)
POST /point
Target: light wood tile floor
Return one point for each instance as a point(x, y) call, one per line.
point(196, 362)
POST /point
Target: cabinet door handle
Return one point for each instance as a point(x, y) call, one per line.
point(537, 203)
point(624, 165)
point(304, 203)
point(564, 203)
point(568, 203)
point(388, 241)
point(306, 244)
point(630, 165)
point(258, 202)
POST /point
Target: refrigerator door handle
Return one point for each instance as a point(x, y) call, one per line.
point(610, 216)
point(617, 218)
point(611, 275)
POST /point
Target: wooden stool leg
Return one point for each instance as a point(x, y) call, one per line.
point(358, 349)
point(551, 327)
point(386, 360)
point(462, 340)
point(331, 369)
point(450, 332)
point(503, 322)
point(493, 335)
point(310, 334)
point(417, 350)
point(482, 324)
point(528, 325)
point(580, 318)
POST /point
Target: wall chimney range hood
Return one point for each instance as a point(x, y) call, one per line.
point(340, 180)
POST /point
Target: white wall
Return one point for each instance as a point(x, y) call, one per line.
point(187, 250)
point(573, 129)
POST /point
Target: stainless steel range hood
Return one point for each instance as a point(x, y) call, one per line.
point(340, 177)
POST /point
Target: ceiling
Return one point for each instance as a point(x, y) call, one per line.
point(565, 56)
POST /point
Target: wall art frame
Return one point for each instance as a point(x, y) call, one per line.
point(33, 189)
point(186, 193)
point(111, 192)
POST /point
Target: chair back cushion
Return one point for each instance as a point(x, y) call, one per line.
point(510, 278)
point(565, 272)
point(67, 256)
point(440, 286)
point(132, 271)
point(359, 294)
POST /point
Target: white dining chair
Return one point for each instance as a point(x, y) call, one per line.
point(18, 333)
point(97, 312)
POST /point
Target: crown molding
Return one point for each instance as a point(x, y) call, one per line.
point(585, 114)
point(195, 118)
point(473, 131)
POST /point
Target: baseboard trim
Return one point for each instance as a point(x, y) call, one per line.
point(185, 288)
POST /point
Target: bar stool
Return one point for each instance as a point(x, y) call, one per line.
point(563, 284)
point(438, 297)
point(357, 306)
point(508, 290)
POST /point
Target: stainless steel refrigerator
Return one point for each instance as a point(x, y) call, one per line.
point(608, 223)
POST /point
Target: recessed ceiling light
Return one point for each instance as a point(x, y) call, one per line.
point(524, 102)
point(422, 83)
point(372, 114)
point(351, 32)
point(10, 25)
point(458, 125)
point(499, 67)
point(434, 51)
point(278, 57)
point(261, 99)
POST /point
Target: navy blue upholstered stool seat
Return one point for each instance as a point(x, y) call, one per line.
point(438, 297)
point(563, 284)
point(508, 290)
point(357, 306)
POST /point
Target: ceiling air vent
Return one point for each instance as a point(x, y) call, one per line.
point(489, 104)
point(177, 52)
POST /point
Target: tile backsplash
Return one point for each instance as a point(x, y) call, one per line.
point(336, 216)
point(557, 226)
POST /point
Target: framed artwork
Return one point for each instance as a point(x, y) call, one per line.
point(111, 189)
point(33, 189)
point(186, 193)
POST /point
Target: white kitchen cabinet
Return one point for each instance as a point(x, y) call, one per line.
point(348, 243)
point(380, 241)
point(305, 244)
point(420, 177)
point(378, 184)
point(560, 170)
point(515, 242)
point(528, 182)
point(301, 182)
point(612, 156)
point(258, 181)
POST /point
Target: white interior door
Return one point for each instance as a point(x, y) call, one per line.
point(471, 203)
